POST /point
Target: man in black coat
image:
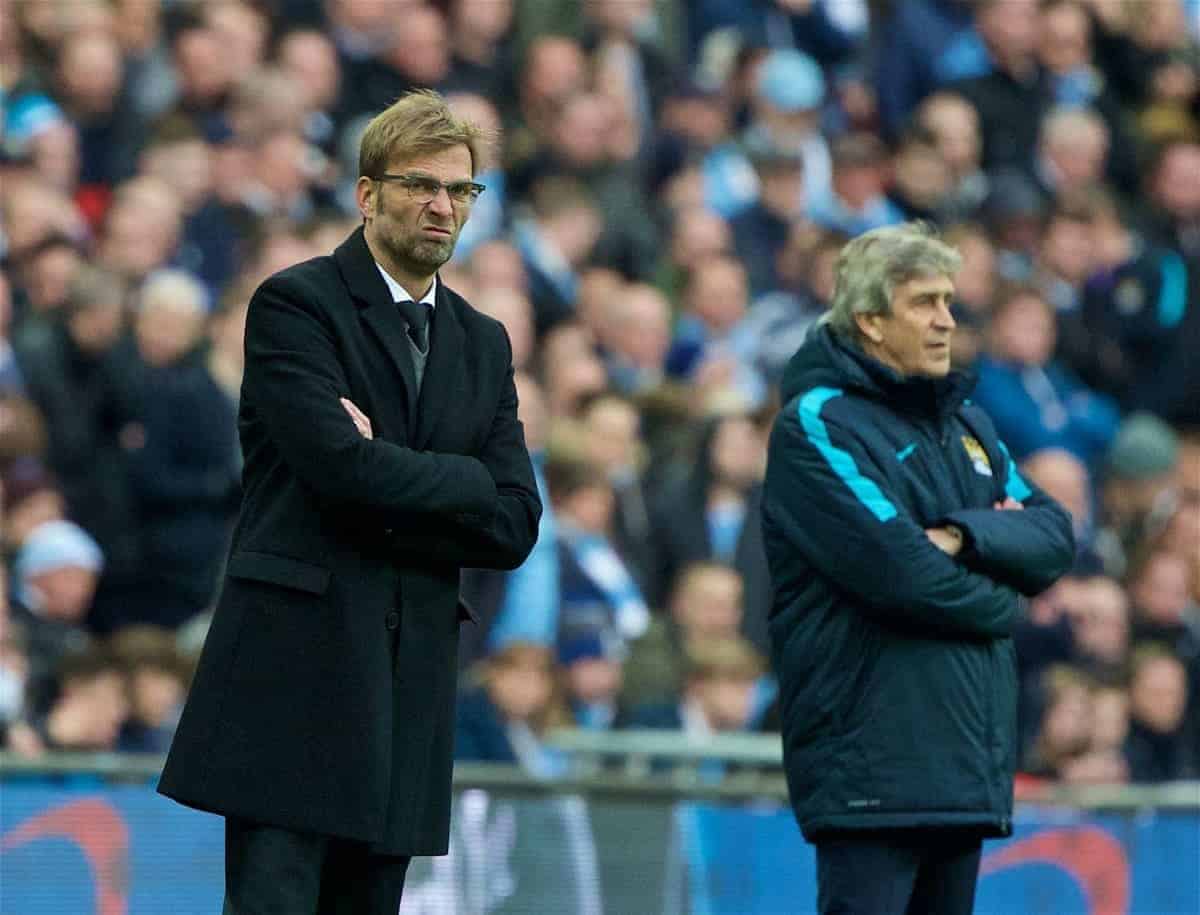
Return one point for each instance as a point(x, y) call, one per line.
point(383, 454)
point(900, 538)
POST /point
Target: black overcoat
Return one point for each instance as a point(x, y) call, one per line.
point(324, 697)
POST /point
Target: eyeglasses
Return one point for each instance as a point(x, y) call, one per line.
point(423, 189)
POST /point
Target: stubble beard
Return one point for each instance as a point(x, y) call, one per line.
point(429, 254)
point(420, 255)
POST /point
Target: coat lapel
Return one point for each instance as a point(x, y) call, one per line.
point(440, 382)
point(378, 312)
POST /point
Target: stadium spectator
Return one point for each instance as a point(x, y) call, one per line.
point(761, 230)
point(1139, 469)
point(923, 45)
point(1034, 402)
point(920, 184)
point(637, 337)
point(706, 348)
point(31, 497)
point(141, 229)
point(591, 673)
point(1102, 630)
point(1064, 477)
point(778, 322)
point(55, 573)
point(182, 461)
point(570, 369)
point(696, 234)
point(76, 367)
point(706, 603)
point(157, 677)
point(1155, 746)
point(611, 432)
point(1072, 152)
point(856, 202)
point(555, 239)
point(721, 679)
point(953, 124)
point(1172, 182)
point(710, 512)
point(91, 705)
point(512, 309)
point(482, 56)
point(789, 92)
point(1011, 96)
point(599, 592)
point(512, 701)
point(1066, 724)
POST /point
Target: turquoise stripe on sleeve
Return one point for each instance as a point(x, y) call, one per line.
point(1015, 486)
point(905, 452)
point(1172, 294)
point(842, 463)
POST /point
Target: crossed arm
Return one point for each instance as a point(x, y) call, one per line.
point(479, 510)
point(833, 505)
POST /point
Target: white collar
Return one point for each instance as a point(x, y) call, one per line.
point(400, 294)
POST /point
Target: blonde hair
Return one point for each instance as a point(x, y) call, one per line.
point(418, 123)
point(722, 658)
point(871, 266)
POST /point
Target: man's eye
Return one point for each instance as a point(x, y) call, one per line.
point(424, 185)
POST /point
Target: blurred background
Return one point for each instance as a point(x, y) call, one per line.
point(672, 182)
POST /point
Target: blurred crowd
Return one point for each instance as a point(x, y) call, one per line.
point(669, 191)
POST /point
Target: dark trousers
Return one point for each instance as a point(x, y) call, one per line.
point(898, 873)
point(272, 871)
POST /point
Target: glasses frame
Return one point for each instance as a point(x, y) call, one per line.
point(473, 188)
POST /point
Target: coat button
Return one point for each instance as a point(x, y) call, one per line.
point(392, 620)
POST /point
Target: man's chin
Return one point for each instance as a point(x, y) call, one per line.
point(431, 255)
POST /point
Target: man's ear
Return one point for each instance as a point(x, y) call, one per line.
point(868, 326)
point(365, 193)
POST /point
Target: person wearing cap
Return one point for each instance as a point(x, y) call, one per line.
point(1139, 470)
point(901, 539)
point(762, 229)
point(383, 454)
point(789, 92)
point(54, 579)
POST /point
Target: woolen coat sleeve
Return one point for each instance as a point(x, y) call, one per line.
point(826, 498)
point(503, 539)
point(294, 382)
point(1028, 549)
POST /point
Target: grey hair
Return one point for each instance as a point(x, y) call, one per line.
point(175, 290)
point(871, 266)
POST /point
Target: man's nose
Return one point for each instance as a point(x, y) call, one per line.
point(441, 202)
point(945, 317)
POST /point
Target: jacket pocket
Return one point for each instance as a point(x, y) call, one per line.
point(279, 570)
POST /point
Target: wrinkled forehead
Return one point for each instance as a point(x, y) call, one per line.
point(450, 164)
point(926, 284)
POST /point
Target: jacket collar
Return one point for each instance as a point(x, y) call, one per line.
point(932, 397)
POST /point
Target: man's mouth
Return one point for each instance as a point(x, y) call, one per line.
point(438, 230)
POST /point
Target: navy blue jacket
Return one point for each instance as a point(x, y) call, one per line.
point(896, 666)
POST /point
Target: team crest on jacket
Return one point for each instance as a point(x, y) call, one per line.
point(979, 458)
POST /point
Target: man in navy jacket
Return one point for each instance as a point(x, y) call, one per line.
point(901, 538)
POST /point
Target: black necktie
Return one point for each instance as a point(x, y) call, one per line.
point(416, 314)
